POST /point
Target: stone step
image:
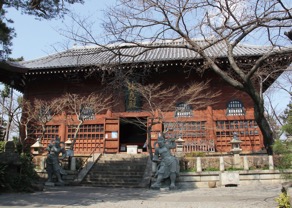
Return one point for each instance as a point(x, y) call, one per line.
point(114, 184)
point(121, 161)
point(116, 173)
point(122, 155)
point(131, 164)
point(114, 177)
point(119, 170)
point(109, 179)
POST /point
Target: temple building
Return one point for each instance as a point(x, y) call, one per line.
point(85, 70)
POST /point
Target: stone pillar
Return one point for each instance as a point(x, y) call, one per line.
point(43, 163)
point(271, 162)
point(245, 163)
point(221, 164)
point(73, 163)
point(236, 161)
point(199, 165)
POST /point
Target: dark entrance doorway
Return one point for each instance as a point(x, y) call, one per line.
point(133, 132)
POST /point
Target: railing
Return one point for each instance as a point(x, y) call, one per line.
point(98, 145)
point(199, 146)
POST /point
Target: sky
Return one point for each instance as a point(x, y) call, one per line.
point(36, 39)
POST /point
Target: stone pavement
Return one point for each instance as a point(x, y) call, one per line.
point(259, 196)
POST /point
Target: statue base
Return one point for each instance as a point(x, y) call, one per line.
point(49, 183)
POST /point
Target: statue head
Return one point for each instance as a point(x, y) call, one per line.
point(161, 141)
point(57, 141)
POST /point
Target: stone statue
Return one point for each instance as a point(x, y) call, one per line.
point(52, 161)
point(168, 165)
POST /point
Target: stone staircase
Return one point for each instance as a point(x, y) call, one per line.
point(120, 170)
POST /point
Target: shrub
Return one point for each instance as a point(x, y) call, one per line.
point(233, 169)
point(2, 176)
point(19, 180)
point(283, 200)
point(284, 151)
point(2, 145)
point(211, 169)
point(189, 170)
point(195, 154)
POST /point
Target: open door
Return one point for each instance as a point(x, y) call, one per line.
point(133, 133)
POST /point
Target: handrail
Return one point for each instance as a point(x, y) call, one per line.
point(91, 155)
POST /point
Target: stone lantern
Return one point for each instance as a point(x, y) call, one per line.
point(68, 144)
point(235, 144)
point(70, 155)
point(179, 144)
point(37, 147)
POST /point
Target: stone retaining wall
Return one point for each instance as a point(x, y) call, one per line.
point(196, 180)
point(213, 162)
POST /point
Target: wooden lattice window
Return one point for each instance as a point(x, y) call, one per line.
point(235, 108)
point(87, 131)
point(51, 132)
point(90, 137)
point(190, 129)
point(243, 128)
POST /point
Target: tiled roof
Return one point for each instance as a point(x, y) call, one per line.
point(88, 56)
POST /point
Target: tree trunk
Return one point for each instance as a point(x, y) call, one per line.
point(8, 125)
point(149, 146)
point(259, 115)
point(75, 135)
point(264, 127)
point(43, 132)
point(10, 116)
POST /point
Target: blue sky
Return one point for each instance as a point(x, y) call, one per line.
point(36, 38)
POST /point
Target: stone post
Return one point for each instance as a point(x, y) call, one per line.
point(245, 163)
point(271, 162)
point(43, 163)
point(237, 161)
point(199, 165)
point(154, 167)
point(221, 164)
point(73, 163)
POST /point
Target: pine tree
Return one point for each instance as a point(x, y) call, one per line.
point(284, 147)
point(287, 119)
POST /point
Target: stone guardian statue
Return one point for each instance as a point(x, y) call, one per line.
point(167, 164)
point(52, 161)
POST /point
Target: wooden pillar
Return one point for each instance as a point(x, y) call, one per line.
point(109, 113)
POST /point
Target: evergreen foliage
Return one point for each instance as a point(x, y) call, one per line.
point(20, 180)
point(284, 150)
point(2, 145)
point(6, 34)
point(287, 119)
